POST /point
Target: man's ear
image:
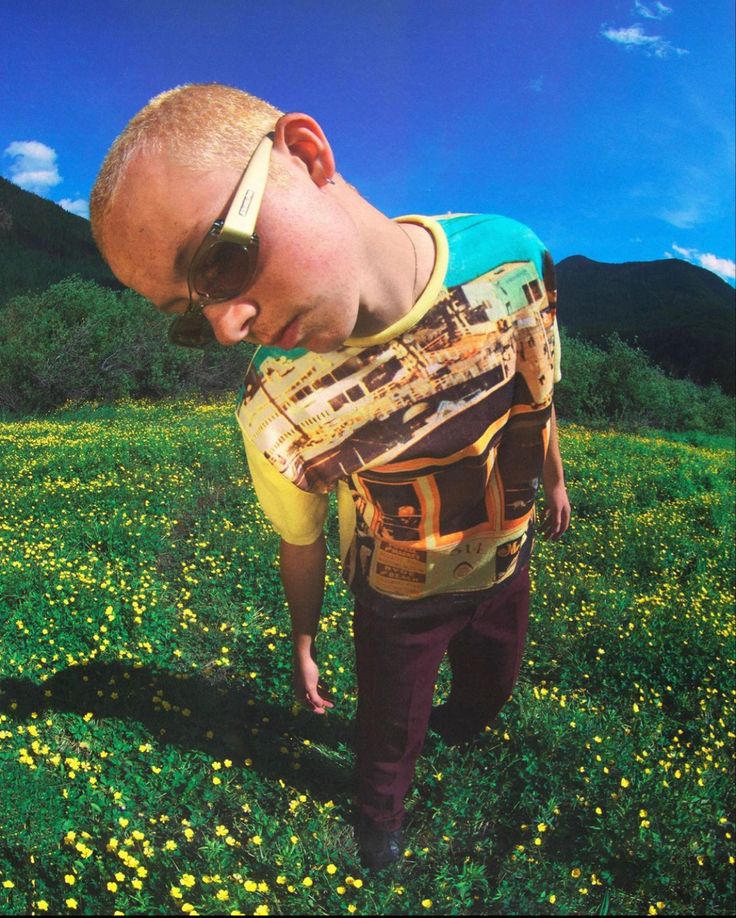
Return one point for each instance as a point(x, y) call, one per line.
point(303, 138)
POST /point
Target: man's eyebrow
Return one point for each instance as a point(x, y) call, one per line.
point(169, 305)
point(181, 265)
point(181, 270)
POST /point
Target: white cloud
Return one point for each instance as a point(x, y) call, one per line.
point(659, 11)
point(725, 267)
point(686, 216)
point(79, 206)
point(634, 37)
point(34, 166)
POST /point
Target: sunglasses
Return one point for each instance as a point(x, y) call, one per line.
point(225, 263)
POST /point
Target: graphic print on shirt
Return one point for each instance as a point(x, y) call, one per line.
point(414, 426)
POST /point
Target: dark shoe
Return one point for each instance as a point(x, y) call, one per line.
point(456, 727)
point(379, 848)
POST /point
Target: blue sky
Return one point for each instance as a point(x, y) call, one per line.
point(606, 126)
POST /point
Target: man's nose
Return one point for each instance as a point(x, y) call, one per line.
point(231, 322)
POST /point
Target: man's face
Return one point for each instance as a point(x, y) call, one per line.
point(306, 290)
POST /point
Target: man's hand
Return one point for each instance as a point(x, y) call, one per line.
point(305, 680)
point(303, 576)
point(557, 515)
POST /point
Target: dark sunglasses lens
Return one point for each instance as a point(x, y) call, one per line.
point(191, 331)
point(225, 270)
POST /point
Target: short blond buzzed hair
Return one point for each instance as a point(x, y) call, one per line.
point(199, 125)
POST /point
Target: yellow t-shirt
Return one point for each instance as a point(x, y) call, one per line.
point(433, 431)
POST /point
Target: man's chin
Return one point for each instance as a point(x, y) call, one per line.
point(321, 344)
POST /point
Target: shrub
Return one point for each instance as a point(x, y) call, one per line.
point(78, 341)
point(619, 385)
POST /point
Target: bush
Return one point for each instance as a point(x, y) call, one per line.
point(78, 341)
point(620, 386)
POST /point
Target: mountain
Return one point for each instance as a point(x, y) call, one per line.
point(40, 243)
point(681, 315)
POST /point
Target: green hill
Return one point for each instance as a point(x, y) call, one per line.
point(681, 315)
point(41, 243)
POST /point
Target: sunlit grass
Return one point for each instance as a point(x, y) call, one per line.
point(151, 762)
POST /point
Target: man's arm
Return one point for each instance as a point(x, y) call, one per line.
point(303, 577)
point(557, 517)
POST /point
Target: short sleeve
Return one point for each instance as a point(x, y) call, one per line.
point(297, 516)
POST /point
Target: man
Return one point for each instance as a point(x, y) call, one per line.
point(409, 364)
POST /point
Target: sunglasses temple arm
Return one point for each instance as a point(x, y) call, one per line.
point(241, 217)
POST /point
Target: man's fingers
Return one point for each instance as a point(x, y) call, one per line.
point(556, 523)
point(317, 703)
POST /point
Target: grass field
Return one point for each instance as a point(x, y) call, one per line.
point(150, 760)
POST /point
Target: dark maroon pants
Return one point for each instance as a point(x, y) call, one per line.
point(397, 665)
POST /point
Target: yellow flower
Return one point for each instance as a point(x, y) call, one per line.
point(331, 869)
point(187, 880)
point(71, 903)
point(307, 881)
point(42, 905)
point(222, 895)
point(625, 782)
point(175, 892)
point(427, 903)
point(357, 883)
point(257, 840)
point(261, 910)
point(575, 872)
point(553, 898)
point(221, 830)
point(70, 879)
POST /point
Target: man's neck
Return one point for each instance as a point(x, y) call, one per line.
point(398, 262)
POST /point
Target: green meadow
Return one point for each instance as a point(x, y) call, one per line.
point(151, 761)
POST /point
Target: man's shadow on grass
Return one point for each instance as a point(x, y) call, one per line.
point(223, 719)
